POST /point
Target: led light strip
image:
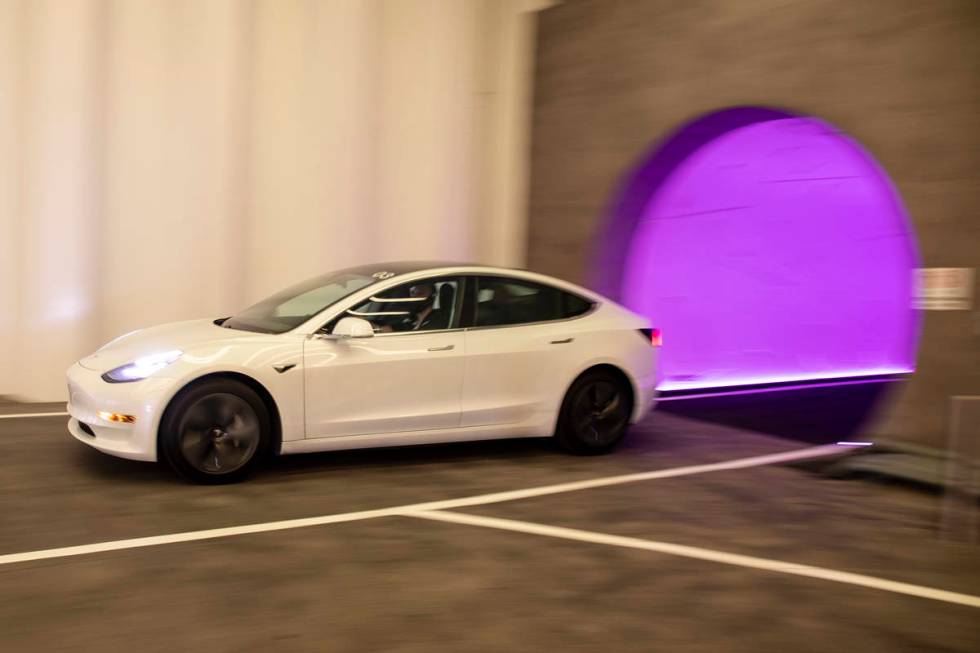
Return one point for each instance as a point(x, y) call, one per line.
point(707, 383)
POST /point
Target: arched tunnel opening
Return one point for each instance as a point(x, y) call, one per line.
point(775, 255)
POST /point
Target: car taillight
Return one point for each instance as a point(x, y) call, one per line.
point(654, 336)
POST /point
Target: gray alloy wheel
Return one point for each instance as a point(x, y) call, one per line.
point(219, 433)
point(595, 413)
point(214, 431)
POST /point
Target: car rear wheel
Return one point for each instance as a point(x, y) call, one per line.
point(215, 431)
point(595, 413)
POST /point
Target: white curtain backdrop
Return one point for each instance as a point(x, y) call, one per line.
point(171, 159)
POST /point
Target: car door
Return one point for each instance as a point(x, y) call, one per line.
point(407, 377)
point(520, 351)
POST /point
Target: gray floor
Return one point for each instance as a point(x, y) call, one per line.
point(405, 584)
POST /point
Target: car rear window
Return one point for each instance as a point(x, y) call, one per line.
point(503, 301)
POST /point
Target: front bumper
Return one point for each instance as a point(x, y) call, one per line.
point(88, 395)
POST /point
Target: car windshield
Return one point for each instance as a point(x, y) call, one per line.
point(291, 307)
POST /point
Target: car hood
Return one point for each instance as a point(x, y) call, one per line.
point(154, 340)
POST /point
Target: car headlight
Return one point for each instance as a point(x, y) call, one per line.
point(141, 367)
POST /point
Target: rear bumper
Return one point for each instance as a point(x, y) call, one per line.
point(88, 395)
point(645, 382)
point(647, 399)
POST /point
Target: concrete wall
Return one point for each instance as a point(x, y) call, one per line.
point(900, 76)
point(180, 159)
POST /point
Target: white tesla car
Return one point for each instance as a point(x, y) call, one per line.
point(391, 354)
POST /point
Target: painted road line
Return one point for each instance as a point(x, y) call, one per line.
point(699, 553)
point(23, 415)
point(738, 463)
point(446, 504)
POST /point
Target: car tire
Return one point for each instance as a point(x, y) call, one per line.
point(595, 413)
point(215, 431)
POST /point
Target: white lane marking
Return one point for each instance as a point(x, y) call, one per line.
point(481, 499)
point(193, 536)
point(19, 415)
point(702, 554)
point(738, 463)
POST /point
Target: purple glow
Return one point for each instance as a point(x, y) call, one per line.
point(770, 249)
point(845, 443)
point(737, 381)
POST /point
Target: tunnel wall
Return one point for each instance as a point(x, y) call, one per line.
point(902, 78)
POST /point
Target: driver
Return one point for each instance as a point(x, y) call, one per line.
point(424, 315)
point(420, 316)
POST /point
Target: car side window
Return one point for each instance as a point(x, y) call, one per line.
point(423, 305)
point(500, 301)
point(573, 305)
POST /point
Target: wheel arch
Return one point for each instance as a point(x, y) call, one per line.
point(245, 379)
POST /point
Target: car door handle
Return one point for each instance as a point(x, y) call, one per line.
point(446, 348)
point(562, 342)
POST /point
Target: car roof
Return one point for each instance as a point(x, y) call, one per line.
point(410, 267)
point(416, 268)
point(407, 267)
point(421, 269)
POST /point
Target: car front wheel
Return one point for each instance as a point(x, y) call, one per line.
point(215, 431)
point(595, 413)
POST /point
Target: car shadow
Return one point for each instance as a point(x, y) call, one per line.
point(97, 464)
point(521, 449)
point(527, 451)
point(818, 414)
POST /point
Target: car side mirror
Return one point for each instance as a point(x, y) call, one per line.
point(352, 327)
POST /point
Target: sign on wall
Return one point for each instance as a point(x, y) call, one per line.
point(943, 289)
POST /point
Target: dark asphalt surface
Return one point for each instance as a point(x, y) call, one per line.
point(403, 584)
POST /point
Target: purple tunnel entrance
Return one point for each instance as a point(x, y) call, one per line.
point(769, 248)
